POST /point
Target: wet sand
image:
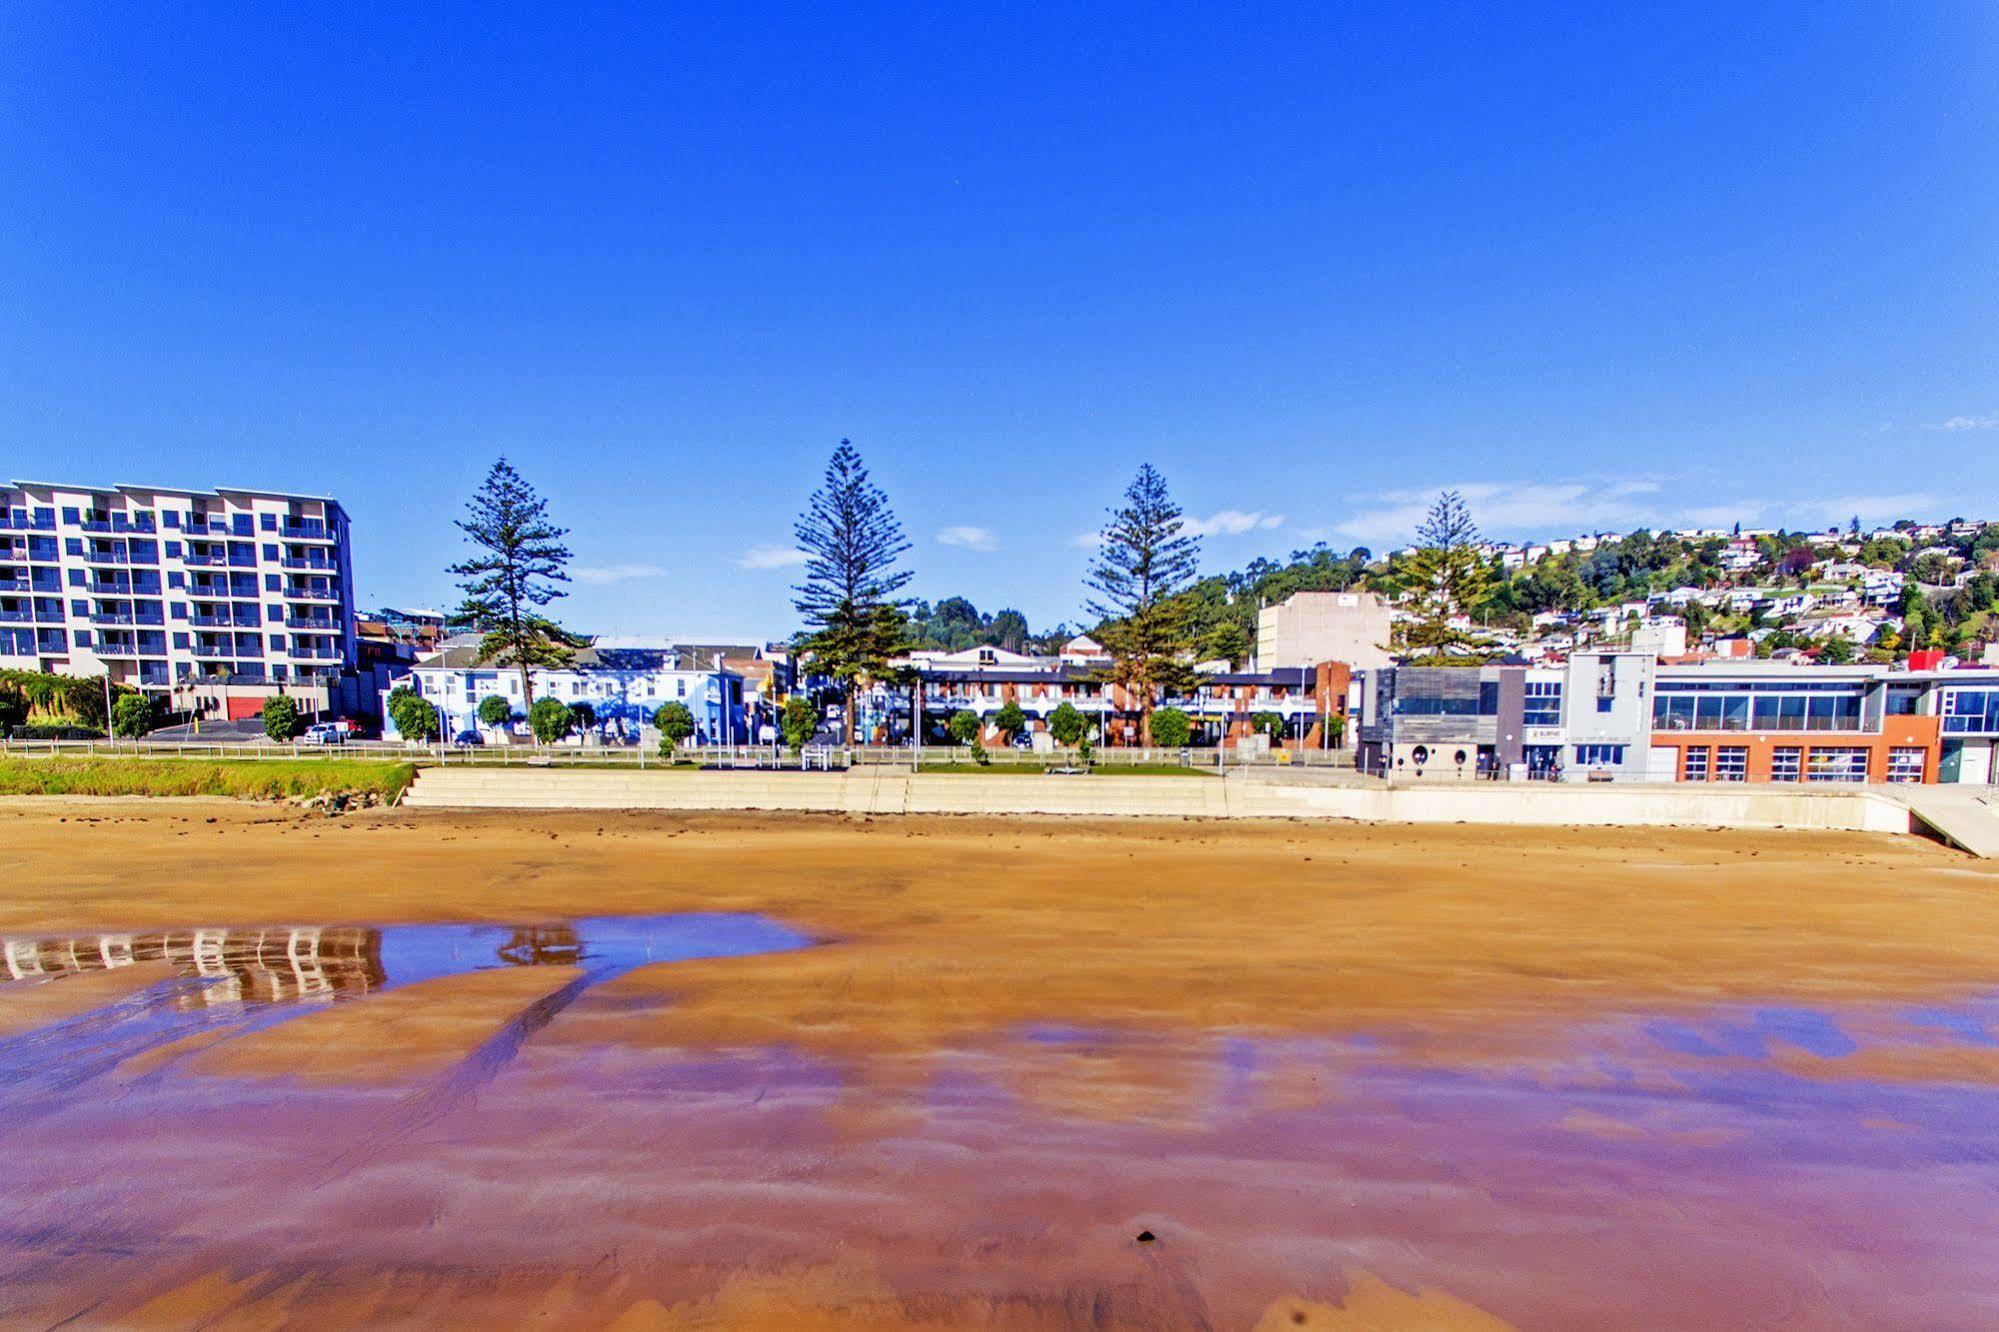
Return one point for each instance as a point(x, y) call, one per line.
point(1342, 1076)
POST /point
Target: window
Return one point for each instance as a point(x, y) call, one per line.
point(1694, 764)
point(1836, 763)
point(1599, 756)
point(1971, 711)
point(1905, 764)
point(269, 522)
point(1731, 763)
point(1543, 703)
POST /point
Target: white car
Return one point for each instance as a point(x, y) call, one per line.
point(325, 733)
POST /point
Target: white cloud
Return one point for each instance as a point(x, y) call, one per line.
point(617, 573)
point(771, 557)
point(1990, 421)
point(971, 538)
point(1232, 522)
point(1535, 509)
point(1087, 540)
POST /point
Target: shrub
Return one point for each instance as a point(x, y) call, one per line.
point(1067, 724)
point(1268, 723)
point(414, 717)
point(979, 754)
point(132, 715)
point(1010, 718)
point(964, 726)
point(798, 722)
point(674, 723)
point(495, 711)
point(281, 719)
point(550, 719)
point(245, 779)
point(1171, 728)
point(55, 731)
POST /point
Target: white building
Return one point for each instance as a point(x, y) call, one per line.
point(166, 588)
point(623, 686)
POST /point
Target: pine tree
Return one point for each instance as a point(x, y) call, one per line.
point(521, 560)
point(855, 620)
point(1451, 580)
point(1145, 560)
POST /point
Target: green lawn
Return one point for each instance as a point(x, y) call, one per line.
point(241, 779)
point(1041, 770)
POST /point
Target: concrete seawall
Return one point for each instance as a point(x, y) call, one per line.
point(882, 791)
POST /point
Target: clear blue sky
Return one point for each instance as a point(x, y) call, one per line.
point(1601, 267)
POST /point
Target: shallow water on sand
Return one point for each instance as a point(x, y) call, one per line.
point(1736, 1166)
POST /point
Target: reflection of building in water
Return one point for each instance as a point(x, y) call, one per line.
point(543, 946)
point(261, 965)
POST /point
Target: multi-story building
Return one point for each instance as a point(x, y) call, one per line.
point(1623, 717)
point(1310, 627)
point(188, 591)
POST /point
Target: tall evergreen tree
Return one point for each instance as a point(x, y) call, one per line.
point(851, 539)
point(1451, 580)
point(515, 573)
point(1145, 560)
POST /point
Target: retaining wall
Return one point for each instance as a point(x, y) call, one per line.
point(870, 791)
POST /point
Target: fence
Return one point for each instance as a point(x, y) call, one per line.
point(633, 756)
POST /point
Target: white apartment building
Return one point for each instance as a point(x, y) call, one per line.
point(188, 591)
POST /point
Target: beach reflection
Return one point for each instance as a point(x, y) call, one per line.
point(1746, 1165)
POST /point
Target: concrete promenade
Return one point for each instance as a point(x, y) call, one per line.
point(1260, 793)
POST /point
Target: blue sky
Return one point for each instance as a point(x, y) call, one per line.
point(1598, 265)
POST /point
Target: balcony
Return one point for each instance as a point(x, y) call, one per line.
point(203, 527)
point(14, 585)
point(326, 594)
point(113, 617)
point(17, 617)
point(327, 566)
point(7, 524)
point(104, 557)
point(297, 653)
point(316, 623)
point(223, 621)
point(216, 651)
point(217, 558)
point(306, 532)
point(116, 525)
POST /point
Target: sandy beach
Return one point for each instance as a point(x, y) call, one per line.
point(999, 1073)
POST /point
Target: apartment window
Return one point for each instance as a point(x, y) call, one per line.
point(269, 522)
point(1694, 764)
point(270, 551)
point(70, 517)
point(1731, 763)
point(1543, 703)
point(1836, 763)
point(1599, 756)
point(72, 545)
point(1905, 764)
point(272, 583)
point(1604, 702)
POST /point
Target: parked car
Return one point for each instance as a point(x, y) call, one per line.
point(468, 738)
point(325, 733)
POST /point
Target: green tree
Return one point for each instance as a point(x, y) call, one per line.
point(1009, 630)
point(964, 726)
point(495, 711)
point(515, 573)
point(1227, 640)
point(1145, 560)
point(1010, 718)
point(412, 714)
point(1836, 651)
point(550, 719)
point(675, 723)
point(1335, 724)
point(853, 615)
point(1451, 580)
point(1068, 725)
point(281, 718)
point(799, 722)
point(1268, 723)
point(1170, 728)
point(583, 715)
point(132, 715)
